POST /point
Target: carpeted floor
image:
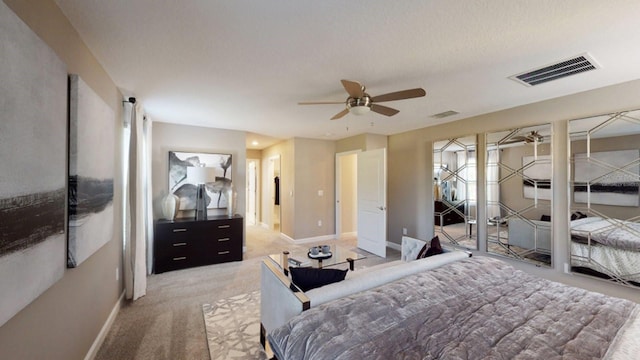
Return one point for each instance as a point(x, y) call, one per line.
point(167, 323)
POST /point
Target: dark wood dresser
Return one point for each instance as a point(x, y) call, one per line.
point(184, 243)
point(449, 216)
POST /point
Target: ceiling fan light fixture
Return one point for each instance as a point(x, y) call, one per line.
point(359, 106)
point(359, 110)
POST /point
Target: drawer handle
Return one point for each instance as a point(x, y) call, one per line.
point(223, 226)
point(179, 230)
point(179, 244)
point(223, 252)
point(180, 258)
point(223, 239)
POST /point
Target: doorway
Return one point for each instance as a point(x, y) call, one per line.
point(274, 210)
point(253, 191)
point(347, 195)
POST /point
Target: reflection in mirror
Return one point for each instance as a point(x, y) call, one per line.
point(454, 191)
point(519, 194)
point(605, 196)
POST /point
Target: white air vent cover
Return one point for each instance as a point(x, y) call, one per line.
point(559, 70)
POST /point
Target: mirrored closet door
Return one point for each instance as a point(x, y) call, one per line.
point(519, 173)
point(605, 196)
point(454, 191)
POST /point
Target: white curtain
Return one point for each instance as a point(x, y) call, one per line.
point(138, 221)
point(493, 188)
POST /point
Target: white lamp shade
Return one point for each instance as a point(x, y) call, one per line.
point(197, 175)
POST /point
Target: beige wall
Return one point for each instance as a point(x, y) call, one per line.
point(65, 320)
point(254, 154)
point(172, 137)
point(284, 151)
point(314, 172)
point(358, 142)
point(348, 197)
point(361, 142)
point(410, 163)
point(374, 141)
point(306, 166)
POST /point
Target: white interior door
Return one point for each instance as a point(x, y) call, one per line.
point(372, 201)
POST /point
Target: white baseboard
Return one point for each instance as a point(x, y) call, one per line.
point(349, 234)
point(314, 239)
point(394, 246)
point(93, 351)
point(287, 237)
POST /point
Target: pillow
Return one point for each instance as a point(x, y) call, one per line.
point(307, 278)
point(578, 215)
point(434, 248)
point(422, 251)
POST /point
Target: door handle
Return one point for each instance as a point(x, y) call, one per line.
point(382, 208)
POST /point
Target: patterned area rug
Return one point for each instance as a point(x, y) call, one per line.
point(233, 327)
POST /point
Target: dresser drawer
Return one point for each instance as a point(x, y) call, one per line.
point(223, 243)
point(226, 255)
point(174, 248)
point(227, 229)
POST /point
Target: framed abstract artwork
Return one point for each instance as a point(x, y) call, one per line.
point(612, 177)
point(91, 171)
point(537, 177)
point(33, 144)
point(218, 179)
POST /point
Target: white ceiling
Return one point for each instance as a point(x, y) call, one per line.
point(245, 64)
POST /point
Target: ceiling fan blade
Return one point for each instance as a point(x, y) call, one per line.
point(384, 110)
point(354, 88)
point(319, 102)
point(340, 114)
point(399, 95)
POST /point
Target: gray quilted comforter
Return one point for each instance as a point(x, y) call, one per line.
point(610, 232)
point(479, 308)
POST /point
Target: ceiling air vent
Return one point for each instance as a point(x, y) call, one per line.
point(444, 114)
point(557, 71)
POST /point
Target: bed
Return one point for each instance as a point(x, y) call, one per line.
point(606, 247)
point(470, 309)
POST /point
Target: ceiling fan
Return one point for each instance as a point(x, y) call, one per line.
point(359, 102)
point(533, 136)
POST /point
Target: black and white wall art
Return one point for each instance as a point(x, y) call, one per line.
point(218, 181)
point(33, 141)
point(91, 171)
point(612, 177)
point(537, 177)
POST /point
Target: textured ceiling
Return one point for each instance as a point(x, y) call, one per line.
point(244, 65)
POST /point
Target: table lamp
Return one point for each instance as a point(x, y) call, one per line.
point(198, 175)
